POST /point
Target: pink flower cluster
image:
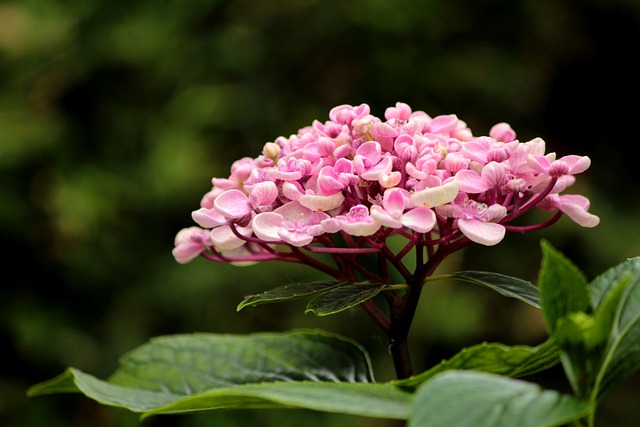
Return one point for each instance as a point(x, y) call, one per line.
point(347, 185)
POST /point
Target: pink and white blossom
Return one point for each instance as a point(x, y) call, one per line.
point(191, 242)
point(357, 222)
point(476, 220)
point(348, 184)
point(574, 206)
point(292, 223)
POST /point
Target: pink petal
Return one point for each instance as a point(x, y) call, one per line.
point(580, 216)
point(577, 164)
point(284, 175)
point(292, 211)
point(494, 174)
point(535, 147)
point(443, 124)
point(328, 182)
point(185, 253)
point(190, 243)
point(331, 225)
point(385, 166)
point(384, 218)
point(485, 233)
point(414, 171)
point(371, 151)
point(263, 193)
point(295, 238)
point(401, 111)
point(502, 132)
point(343, 166)
point(495, 213)
point(539, 164)
point(292, 190)
point(208, 218)
point(475, 151)
point(266, 225)
point(232, 204)
point(575, 207)
point(470, 182)
point(420, 219)
point(394, 202)
point(312, 219)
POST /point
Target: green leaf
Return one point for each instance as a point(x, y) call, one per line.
point(516, 361)
point(505, 285)
point(343, 297)
point(619, 287)
point(288, 292)
point(478, 399)
point(364, 399)
point(183, 373)
point(133, 398)
point(604, 284)
point(563, 287)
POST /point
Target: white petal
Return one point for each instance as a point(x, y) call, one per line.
point(361, 228)
point(485, 233)
point(436, 196)
point(321, 203)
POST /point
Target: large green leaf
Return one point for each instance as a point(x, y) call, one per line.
point(343, 297)
point(185, 373)
point(617, 293)
point(505, 285)
point(479, 399)
point(516, 361)
point(364, 399)
point(204, 361)
point(289, 292)
point(563, 287)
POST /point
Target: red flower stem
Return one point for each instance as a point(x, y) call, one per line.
point(347, 251)
point(403, 310)
point(402, 313)
point(407, 248)
point(518, 211)
point(404, 271)
point(528, 228)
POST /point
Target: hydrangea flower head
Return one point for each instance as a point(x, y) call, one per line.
point(347, 185)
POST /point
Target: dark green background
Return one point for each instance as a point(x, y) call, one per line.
point(115, 115)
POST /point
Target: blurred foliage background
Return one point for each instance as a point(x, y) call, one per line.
point(115, 115)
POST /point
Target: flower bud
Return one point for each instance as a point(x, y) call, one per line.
point(271, 150)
